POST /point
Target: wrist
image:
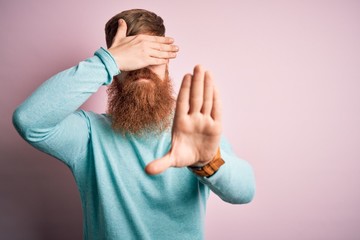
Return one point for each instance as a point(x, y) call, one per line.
point(210, 168)
point(109, 62)
point(113, 55)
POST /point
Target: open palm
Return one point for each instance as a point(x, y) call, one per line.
point(197, 127)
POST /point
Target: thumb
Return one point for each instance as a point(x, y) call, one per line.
point(159, 165)
point(121, 31)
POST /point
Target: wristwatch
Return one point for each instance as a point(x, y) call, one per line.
point(210, 168)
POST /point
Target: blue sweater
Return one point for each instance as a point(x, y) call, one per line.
point(119, 200)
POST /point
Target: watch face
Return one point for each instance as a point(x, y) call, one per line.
point(195, 168)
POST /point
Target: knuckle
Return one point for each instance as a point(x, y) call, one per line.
point(144, 52)
point(139, 38)
point(156, 38)
point(208, 79)
point(143, 47)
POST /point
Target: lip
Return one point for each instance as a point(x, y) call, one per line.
point(142, 80)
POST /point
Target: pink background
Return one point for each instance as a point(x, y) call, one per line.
point(289, 77)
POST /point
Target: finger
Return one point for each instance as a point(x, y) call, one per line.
point(182, 102)
point(216, 110)
point(159, 165)
point(164, 47)
point(121, 31)
point(197, 88)
point(157, 61)
point(157, 39)
point(160, 54)
point(208, 94)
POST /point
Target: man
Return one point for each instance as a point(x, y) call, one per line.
point(145, 169)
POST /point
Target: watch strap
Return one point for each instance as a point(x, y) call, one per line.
point(210, 168)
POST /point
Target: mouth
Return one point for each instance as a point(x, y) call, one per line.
point(142, 80)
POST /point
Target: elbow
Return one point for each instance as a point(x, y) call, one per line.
point(246, 188)
point(28, 126)
point(243, 196)
point(18, 121)
point(246, 195)
point(21, 123)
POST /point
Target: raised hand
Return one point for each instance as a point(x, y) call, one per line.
point(139, 51)
point(197, 124)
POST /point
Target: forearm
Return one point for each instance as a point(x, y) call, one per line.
point(63, 94)
point(234, 182)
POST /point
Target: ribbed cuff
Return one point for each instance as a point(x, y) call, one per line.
point(109, 62)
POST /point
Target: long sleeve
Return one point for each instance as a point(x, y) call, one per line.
point(49, 119)
point(234, 182)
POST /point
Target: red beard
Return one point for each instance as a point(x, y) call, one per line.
point(139, 107)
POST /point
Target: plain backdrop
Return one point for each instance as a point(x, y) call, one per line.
point(289, 78)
